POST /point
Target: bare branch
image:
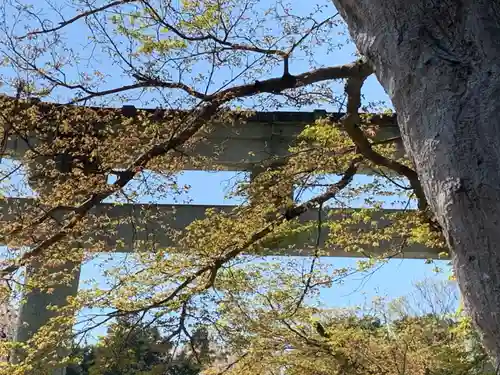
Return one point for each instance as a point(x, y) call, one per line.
point(351, 122)
point(277, 85)
point(77, 17)
point(200, 38)
point(309, 32)
point(144, 83)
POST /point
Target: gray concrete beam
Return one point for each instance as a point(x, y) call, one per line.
point(139, 227)
point(233, 148)
point(238, 145)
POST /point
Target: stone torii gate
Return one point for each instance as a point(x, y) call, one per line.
point(235, 147)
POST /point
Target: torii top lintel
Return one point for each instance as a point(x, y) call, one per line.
point(242, 140)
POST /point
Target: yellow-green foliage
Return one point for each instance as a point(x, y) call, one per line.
point(197, 60)
point(312, 341)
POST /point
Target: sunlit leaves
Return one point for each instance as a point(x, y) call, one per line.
point(212, 272)
point(358, 341)
point(216, 266)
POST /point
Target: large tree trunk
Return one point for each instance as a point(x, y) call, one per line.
point(440, 63)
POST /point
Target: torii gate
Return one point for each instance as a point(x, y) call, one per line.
point(235, 147)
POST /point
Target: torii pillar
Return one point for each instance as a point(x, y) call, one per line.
point(33, 312)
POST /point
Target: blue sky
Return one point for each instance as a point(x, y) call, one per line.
point(393, 279)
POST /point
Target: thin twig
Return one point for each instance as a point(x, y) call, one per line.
point(76, 18)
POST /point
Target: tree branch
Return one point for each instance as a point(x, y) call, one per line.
point(351, 122)
point(194, 122)
point(271, 86)
point(200, 38)
point(144, 83)
point(76, 18)
point(155, 82)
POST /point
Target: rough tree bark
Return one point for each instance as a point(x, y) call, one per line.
point(440, 63)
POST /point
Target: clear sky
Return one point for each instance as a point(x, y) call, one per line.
point(393, 279)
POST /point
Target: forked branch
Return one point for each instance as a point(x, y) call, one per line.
point(351, 122)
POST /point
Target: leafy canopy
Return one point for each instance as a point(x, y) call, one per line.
point(195, 65)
